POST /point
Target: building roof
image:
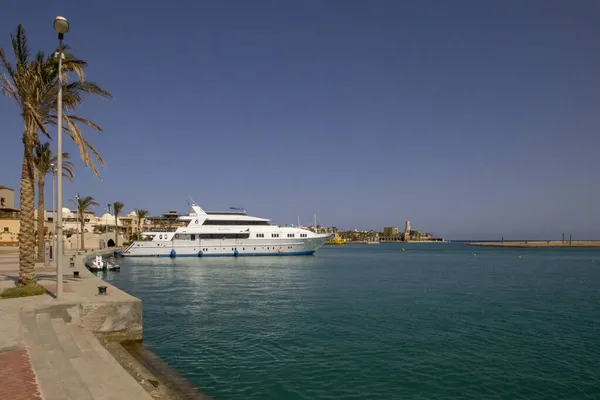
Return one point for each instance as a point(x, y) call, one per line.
point(7, 188)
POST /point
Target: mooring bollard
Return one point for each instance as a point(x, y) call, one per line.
point(75, 274)
point(102, 291)
point(72, 264)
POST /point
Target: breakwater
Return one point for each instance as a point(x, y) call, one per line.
point(539, 243)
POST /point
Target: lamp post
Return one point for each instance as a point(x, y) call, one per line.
point(77, 223)
point(54, 210)
point(61, 26)
point(106, 212)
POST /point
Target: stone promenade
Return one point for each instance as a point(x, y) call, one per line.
point(50, 349)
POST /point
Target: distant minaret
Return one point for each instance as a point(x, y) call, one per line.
point(406, 231)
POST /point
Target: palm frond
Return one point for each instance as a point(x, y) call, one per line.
point(88, 87)
point(8, 88)
point(37, 118)
point(84, 203)
point(68, 168)
point(141, 213)
point(6, 64)
point(20, 48)
point(75, 134)
point(118, 207)
point(86, 121)
point(72, 64)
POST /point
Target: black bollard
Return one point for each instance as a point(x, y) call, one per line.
point(75, 274)
point(102, 291)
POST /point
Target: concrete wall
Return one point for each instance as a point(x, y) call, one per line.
point(116, 317)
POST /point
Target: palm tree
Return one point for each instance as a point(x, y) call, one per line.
point(141, 214)
point(83, 204)
point(44, 162)
point(33, 85)
point(118, 207)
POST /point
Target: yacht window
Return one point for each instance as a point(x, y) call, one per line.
point(234, 222)
point(193, 237)
point(291, 235)
point(223, 235)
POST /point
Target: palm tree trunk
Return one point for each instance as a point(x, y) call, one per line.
point(26, 215)
point(116, 231)
point(40, 224)
point(82, 226)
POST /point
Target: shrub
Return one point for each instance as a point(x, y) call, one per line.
point(33, 289)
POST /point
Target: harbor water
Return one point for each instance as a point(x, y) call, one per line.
point(439, 320)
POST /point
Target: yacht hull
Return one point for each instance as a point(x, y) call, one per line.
point(225, 248)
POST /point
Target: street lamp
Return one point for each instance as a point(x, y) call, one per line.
point(77, 222)
point(53, 167)
point(106, 225)
point(61, 26)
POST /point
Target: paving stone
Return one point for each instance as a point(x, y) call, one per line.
point(17, 380)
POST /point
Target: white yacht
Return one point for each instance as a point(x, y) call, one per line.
point(230, 233)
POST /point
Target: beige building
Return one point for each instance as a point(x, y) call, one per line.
point(9, 218)
point(131, 224)
point(10, 225)
point(166, 222)
point(390, 234)
point(390, 231)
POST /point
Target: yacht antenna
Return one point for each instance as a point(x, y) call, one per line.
point(191, 201)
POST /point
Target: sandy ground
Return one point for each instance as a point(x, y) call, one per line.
point(540, 243)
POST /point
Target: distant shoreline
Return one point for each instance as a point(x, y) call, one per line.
point(538, 243)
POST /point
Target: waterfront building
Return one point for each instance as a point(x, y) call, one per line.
point(390, 231)
point(131, 224)
point(391, 234)
point(167, 222)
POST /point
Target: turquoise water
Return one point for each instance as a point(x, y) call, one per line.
point(371, 321)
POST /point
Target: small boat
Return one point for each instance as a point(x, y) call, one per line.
point(111, 265)
point(336, 240)
point(98, 264)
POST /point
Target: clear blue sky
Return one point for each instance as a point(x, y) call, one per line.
point(470, 118)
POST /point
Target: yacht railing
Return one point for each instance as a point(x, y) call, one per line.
point(162, 229)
